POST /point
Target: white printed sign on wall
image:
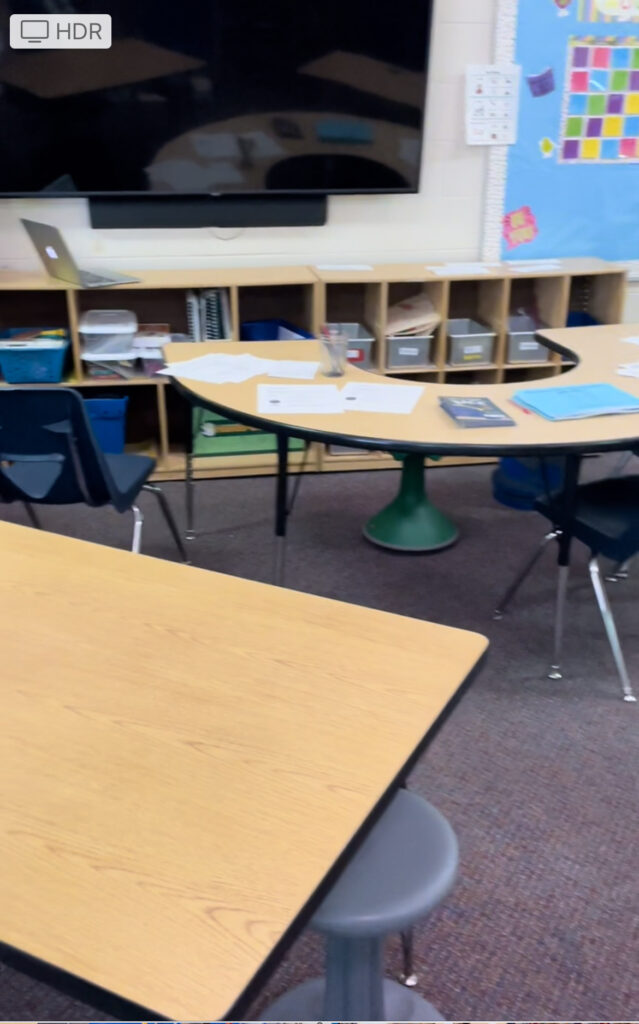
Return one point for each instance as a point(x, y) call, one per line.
point(492, 104)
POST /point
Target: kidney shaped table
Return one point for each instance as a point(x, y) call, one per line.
point(428, 430)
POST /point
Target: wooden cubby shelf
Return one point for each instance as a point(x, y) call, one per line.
point(157, 419)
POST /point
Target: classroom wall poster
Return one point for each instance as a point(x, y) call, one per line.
point(572, 177)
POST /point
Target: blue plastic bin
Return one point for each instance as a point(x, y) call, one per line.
point(30, 362)
point(269, 330)
point(108, 420)
point(579, 318)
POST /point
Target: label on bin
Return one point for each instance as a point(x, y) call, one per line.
point(355, 354)
point(472, 350)
point(528, 346)
point(405, 351)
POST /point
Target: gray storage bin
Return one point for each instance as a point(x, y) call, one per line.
point(469, 342)
point(360, 343)
point(522, 347)
point(408, 351)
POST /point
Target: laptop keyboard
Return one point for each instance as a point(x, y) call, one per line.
point(89, 278)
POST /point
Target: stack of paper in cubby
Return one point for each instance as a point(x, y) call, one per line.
point(412, 317)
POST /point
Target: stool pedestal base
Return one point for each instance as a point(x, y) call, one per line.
point(410, 523)
point(306, 1002)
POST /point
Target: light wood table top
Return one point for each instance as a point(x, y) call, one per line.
point(599, 351)
point(186, 755)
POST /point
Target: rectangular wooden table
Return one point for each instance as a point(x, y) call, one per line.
point(188, 759)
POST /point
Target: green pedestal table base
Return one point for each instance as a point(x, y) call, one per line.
point(411, 523)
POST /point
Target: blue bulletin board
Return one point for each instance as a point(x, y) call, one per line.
point(572, 179)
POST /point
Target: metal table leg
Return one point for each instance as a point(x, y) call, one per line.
point(281, 508)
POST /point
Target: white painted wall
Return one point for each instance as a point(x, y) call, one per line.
point(443, 221)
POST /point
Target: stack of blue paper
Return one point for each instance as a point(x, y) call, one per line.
point(577, 402)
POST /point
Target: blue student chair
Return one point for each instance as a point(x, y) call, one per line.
point(49, 456)
point(606, 520)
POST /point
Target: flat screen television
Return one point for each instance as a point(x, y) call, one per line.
point(219, 97)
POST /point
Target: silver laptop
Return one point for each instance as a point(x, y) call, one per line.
point(58, 261)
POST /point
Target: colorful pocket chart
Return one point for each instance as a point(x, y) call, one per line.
point(600, 122)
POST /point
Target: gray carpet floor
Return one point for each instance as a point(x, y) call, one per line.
point(538, 778)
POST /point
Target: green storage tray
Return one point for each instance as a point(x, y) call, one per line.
point(251, 442)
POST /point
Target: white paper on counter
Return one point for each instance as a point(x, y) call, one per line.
point(447, 269)
point(343, 266)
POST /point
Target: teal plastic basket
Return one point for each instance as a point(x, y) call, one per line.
point(32, 362)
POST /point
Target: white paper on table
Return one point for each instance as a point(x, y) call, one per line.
point(294, 368)
point(381, 397)
point(219, 368)
point(632, 340)
point(343, 266)
point(297, 400)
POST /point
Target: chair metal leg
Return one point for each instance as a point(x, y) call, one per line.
point(190, 497)
point(620, 573)
point(560, 611)
point(523, 573)
point(138, 520)
point(407, 975)
point(31, 512)
point(611, 629)
point(170, 521)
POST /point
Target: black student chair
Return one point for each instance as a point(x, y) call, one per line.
point(606, 520)
point(49, 456)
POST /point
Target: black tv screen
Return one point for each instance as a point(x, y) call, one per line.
point(219, 97)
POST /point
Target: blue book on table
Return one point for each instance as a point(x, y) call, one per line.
point(475, 412)
point(577, 402)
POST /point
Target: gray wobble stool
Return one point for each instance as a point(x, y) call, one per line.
point(403, 869)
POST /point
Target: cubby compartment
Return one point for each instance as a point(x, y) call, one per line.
point(142, 430)
point(405, 353)
point(356, 310)
point(483, 302)
point(152, 306)
point(479, 300)
point(544, 299)
point(33, 309)
point(595, 299)
point(355, 303)
point(522, 345)
point(292, 303)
